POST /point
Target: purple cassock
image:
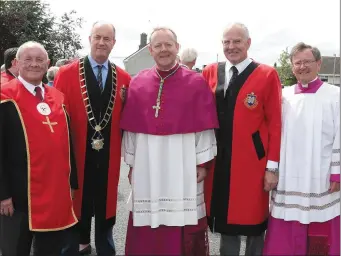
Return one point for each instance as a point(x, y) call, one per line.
point(187, 105)
point(304, 239)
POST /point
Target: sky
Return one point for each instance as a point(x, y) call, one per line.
point(274, 25)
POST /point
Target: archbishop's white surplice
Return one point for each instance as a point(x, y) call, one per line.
point(164, 187)
point(313, 119)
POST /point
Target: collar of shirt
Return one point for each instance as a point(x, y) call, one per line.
point(228, 71)
point(240, 66)
point(31, 87)
point(94, 64)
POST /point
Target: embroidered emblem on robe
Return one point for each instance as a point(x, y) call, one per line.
point(251, 101)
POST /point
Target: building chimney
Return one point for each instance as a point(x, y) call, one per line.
point(143, 40)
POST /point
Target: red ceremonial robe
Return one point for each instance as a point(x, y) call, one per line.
point(42, 157)
point(106, 171)
point(249, 135)
point(6, 77)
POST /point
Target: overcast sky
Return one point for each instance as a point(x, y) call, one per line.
point(273, 24)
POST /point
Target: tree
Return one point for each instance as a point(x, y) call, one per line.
point(284, 69)
point(22, 21)
point(67, 41)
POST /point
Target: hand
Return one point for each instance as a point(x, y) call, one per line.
point(72, 194)
point(129, 175)
point(201, 174)
point(6, 207)
point(270, 180)
point(334, 187)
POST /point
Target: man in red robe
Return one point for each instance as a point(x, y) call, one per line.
point(94, 91)
point(11, 71)
point(36, 160)
point(248, 98)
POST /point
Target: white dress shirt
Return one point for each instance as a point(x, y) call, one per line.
point(228, 71)
point(31, 87)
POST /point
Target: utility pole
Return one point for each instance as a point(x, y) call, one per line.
point(334, 68)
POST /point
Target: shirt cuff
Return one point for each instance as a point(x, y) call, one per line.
point(272, 164)
point(335, 178)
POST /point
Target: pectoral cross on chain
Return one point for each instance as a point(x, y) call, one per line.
point(50, 124)
point(157, 108)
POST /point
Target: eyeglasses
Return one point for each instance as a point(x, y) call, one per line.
point(305, 63)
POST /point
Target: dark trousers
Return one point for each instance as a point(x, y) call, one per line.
point(16, 238)
point(81, 235)
point(231, 245)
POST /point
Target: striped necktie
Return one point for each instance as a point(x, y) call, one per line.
point(99, 77)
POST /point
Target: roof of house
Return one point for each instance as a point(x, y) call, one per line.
point(327, 67)
point(133, 54)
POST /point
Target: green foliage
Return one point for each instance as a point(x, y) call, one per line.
point(67, 41)
point(22, 21)
point(284, 69)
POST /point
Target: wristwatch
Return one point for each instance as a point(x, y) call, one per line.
point(274, 170)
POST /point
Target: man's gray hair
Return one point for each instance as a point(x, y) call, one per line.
point(163, 29)
point(188, 55)
point(300, 47)
point(51, 73)
point(103, 23)
point(239, 25)
point(61, 62)
point(30, 44)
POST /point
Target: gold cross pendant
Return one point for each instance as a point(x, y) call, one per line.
point(50, 124)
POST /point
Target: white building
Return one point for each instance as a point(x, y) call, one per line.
point(330, 70)
point(139, 60)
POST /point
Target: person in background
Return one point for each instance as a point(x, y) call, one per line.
point(11, 71)
point(62, 62)
point(189, 57)
point(50, 75)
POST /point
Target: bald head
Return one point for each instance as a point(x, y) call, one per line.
point(103, 25)
point(164, 30)
point(240, 27)
point(30, 45)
